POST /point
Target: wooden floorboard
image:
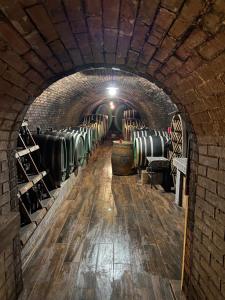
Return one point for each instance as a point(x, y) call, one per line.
point(112, 239)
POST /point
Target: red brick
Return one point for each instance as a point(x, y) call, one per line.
point(213, 47)
point(15, 78)
point(55, 11)
point(153, 66)
point(166, 49)
point(14, 61)
point(18, 17)
point(140, 31)
point(147, 53)
point(66, 35)
point(45, 26)
point(208, 161)
point(8, 33)
point(110, 13)
point(60, 52)
point(207, 184)
point(172, 5)
point(128, 11)
point(110, 40)
point(93, 8)
point(147, 11)
point(164, 19)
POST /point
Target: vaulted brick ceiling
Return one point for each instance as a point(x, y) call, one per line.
point(75, 95)
point(177, 44)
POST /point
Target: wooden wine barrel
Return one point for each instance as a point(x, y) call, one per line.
point(119, 116)
point(80, 154)
point(147, 131)
point(54, 156)
point(141, 132)
point(101, 124)
point(122, 158)
point(129, 125)
point(161, 132)
point(130, 114)
point(149, 146)
point(89, 132)
point(69, 149)
point(104, 109)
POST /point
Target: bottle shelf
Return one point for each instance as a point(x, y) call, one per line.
point(26, 151)
point(24, 187)
point(34, 197)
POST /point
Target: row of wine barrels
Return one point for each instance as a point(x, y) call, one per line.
point(149, 146)
point(53, 156)
point(147, 131)
point(130, 114)
point(75, 132)
point(99, 122)
point(62, 152)
point(129, 125)
point(161, 132)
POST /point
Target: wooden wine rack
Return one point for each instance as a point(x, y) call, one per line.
point(179, 142)
point(30, 219)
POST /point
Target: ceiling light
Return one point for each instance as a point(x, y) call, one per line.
point(112, 91)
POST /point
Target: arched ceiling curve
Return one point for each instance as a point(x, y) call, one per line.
point(80, 93)
point(178, 43)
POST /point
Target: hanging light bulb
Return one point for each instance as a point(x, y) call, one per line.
point(112, 91)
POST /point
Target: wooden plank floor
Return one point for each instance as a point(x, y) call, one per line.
point(112, 239)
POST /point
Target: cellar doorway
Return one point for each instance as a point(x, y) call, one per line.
point(155, 249)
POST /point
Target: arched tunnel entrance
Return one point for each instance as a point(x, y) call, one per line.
point(176, 45)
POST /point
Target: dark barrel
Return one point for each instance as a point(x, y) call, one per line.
point(149, 146)
point(104, 109)
point(79, 148)
point(69, 149)
point(119, 116)
point(122, 158)
point(54, 156)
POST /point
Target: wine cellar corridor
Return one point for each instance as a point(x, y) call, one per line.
point(112, 240)
point(112, 149)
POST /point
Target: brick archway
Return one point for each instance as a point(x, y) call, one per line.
point(177, 44)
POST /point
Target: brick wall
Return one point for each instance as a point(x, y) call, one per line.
point(208, 264)
point(178, 44)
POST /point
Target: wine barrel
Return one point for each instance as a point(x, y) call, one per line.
point(89, 132)
point(161, 132)
point(149, 146)
point(141, 132)
point(54, 156)
point(69, 149)
point(119, 116)
point(80, 149)
point(122, 158)
point(130, 114)
point(129, 125)
point(101, 123)
point(104, 109)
